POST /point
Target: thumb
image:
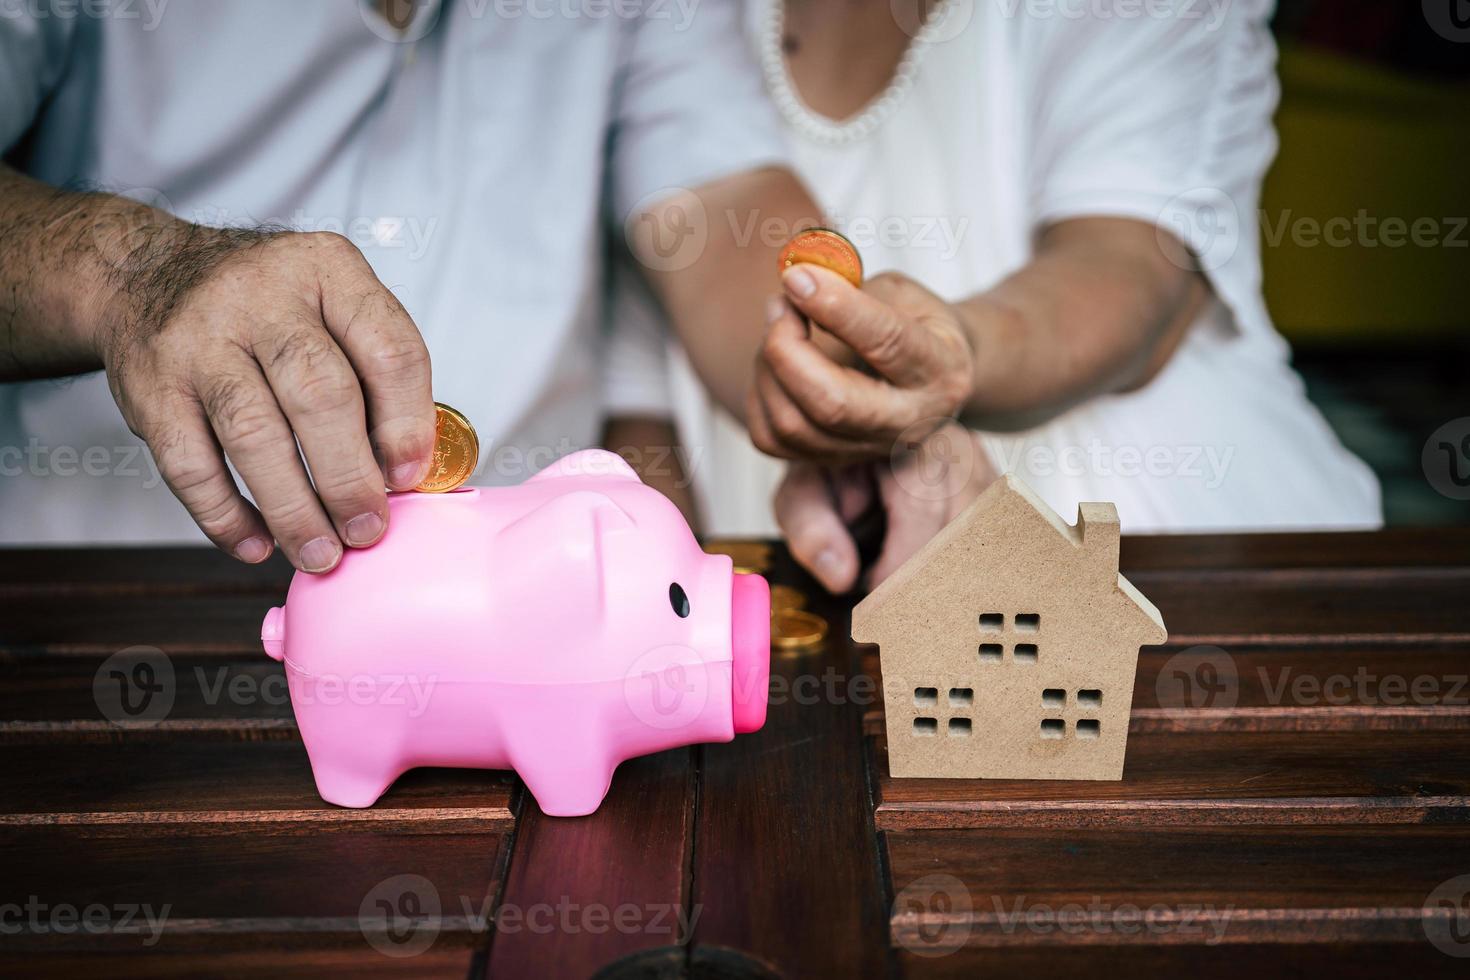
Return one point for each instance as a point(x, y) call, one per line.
point(807, 513)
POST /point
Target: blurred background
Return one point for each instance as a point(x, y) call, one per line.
point(1366, 225)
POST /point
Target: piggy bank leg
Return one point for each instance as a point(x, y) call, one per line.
point(351, 787)
point(567, 792)
point(351, 768)
point(568, 776)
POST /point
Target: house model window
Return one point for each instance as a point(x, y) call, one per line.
point(1009, 643)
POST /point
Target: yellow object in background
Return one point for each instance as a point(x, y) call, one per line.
point(1372, 152)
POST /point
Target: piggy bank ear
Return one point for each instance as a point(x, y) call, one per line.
point(570, 525)
point(561, 542)
point(588, 464)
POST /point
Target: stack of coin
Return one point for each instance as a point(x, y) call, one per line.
point(456, 452)
point(826, 248)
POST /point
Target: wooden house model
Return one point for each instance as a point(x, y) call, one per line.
point(1008, 644)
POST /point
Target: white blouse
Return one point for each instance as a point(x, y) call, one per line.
point(1022, 113)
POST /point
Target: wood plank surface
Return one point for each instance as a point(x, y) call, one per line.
point(227, 786)
point(1191, 887)
point(1297, 759)
point(785, 825)
point(1195, 778)
point(584, 892)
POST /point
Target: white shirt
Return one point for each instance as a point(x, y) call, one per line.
point(1024, 113)
point(479, 160)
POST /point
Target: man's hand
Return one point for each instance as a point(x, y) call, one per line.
point(223, 341)
point(804, 404)
point(246, 344)
point(921, 487)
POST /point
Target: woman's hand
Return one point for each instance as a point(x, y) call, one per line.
point(921, 489)
point(805, 404)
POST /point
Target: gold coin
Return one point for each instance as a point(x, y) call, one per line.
point(785, 597)
point(456, 451)
point(826, 248)
point(795, 629)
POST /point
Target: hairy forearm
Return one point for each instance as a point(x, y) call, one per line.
point(77, 268)
point(1098, 310)
point(716, 299)
point(51, 271)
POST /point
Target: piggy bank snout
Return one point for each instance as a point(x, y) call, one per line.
point(750, 644)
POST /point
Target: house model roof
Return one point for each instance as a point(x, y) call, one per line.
point(1009, 643)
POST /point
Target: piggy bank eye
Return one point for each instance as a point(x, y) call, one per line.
point(679, 600)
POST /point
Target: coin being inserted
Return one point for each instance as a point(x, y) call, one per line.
point(826, 248)
point(456, 452)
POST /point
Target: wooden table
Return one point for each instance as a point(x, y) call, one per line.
point(1296, 798)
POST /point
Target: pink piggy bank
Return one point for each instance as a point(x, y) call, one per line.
point(555, 628)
